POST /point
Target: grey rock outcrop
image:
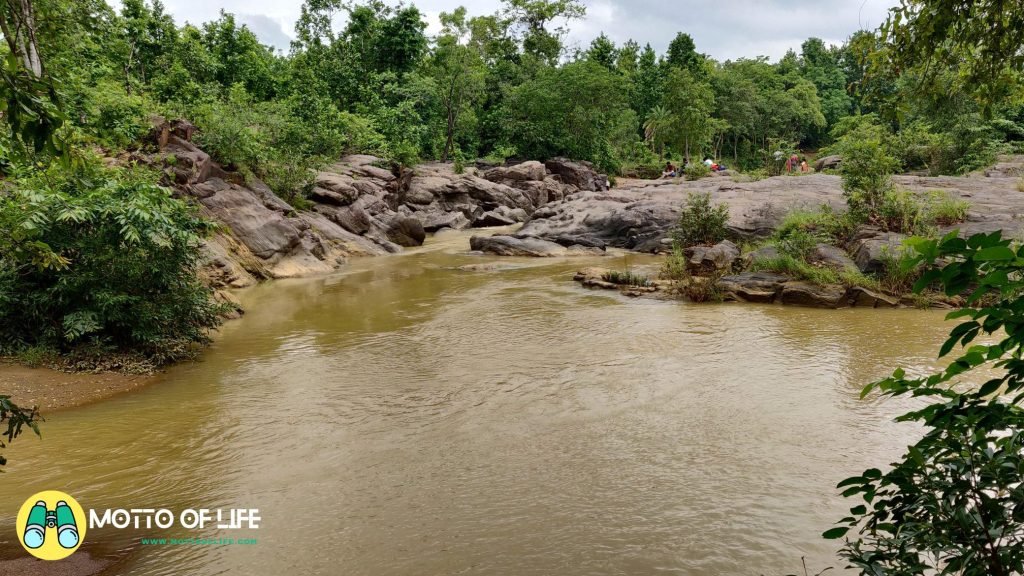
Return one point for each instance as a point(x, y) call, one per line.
point(872, 247)
point(832, 257)
point(828, 163)
point(759, 287)
point(813, 295)
point(502, 245)
point(709, 260)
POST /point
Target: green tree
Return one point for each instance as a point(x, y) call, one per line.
point(102, 257)
point(657, 128)
point(690, 101)
point(31, 108)
point(602, 51)
point(240, 58)
point(682, 53)
point(459, 72)
point(568, 111)
point(821, 67)
point(534, 18)
point(954, 503)
point(647, 82)
point(980, 39)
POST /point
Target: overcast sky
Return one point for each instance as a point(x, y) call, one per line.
point(724, 29)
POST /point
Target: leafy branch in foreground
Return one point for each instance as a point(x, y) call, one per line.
point(16, 419)
point(955, 503)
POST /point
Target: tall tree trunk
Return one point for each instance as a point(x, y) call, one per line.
point(450, 140)
point(18, 22)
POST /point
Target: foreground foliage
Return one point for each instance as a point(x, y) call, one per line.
point(13, 420)
point(100, 257)
point(954, 504)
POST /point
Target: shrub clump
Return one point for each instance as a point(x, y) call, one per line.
point(626, 279)
point(696, 171)
point(102, 259)
point(701, 223)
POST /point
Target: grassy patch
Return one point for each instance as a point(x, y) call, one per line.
point(898, 271)
point(821, 225)
point(799, 269)
point(1020, 185)
point(944, 209)
point(700, 290)
point(674, 267)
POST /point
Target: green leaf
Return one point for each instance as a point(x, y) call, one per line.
point(995, 253)
point(835, 533)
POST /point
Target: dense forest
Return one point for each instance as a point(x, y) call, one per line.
point(500, 85)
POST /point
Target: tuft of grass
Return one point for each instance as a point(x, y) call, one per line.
point(799, 269)
point(1020, 184)
point(899, 271)
point(674, 267)
point(627, 279)
point(36, 356)
point(944, 209)
point(700, 290)
point(824, 224)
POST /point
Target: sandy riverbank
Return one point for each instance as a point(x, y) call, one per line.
point(51, 390)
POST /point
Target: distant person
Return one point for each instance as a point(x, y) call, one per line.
point(794, 162)
point(804, 167)
point(789, 165)
point(670, 170)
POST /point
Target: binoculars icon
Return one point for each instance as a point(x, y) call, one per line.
point(61, 518)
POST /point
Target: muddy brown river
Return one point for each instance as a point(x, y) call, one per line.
point(406, 417)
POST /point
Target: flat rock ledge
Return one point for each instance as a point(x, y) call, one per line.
point(763, 288)
point(530, 246)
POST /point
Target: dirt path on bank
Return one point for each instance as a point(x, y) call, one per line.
point(51, 390)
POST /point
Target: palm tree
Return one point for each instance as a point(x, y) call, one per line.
point(658, 121)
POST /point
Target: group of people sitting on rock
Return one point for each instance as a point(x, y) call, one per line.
point(714, 166)
point(671, 171)
point(793, 163)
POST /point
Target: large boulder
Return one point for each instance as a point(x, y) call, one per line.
point(435, 219)
point(832, 257)
point(813, 295)
point(425, 189)
point(489, 195)
point(764, 253)
point(335, 189)
point(865, 298)
point(760, 287)
point(501, 216)
point(265, 232)
point(710, 260)
point(828, 163)
point(531, 171)
point(871, 249)
point(406, 231)
point(351, 218)
point(513, 246)
point(579, 174)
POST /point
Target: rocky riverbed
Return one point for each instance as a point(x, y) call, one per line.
point(360, 206)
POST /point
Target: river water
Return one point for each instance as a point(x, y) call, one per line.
point(405, 417)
